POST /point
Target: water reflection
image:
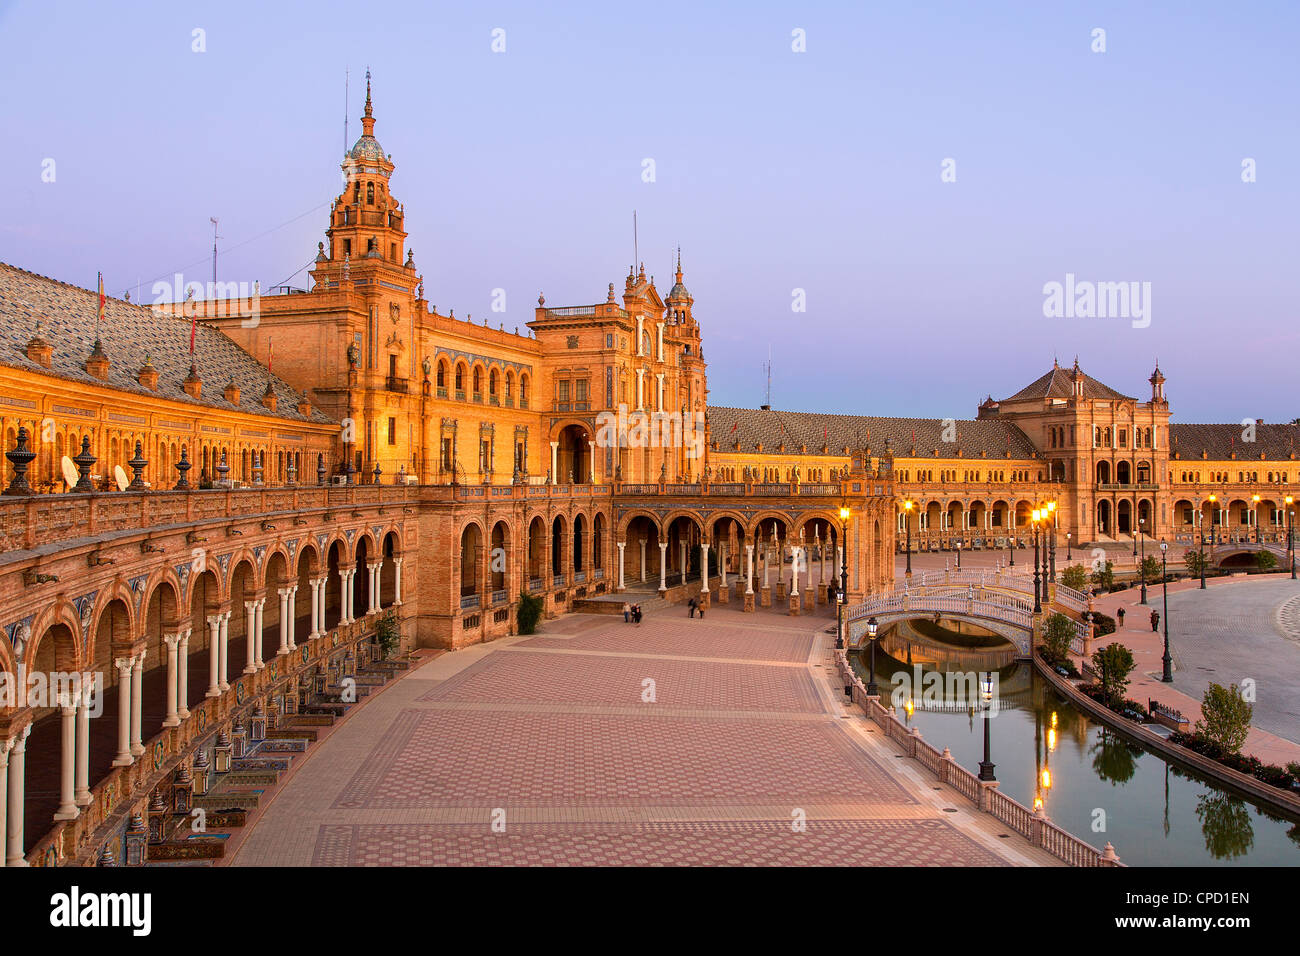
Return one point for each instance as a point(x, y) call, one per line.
point(1088, 779)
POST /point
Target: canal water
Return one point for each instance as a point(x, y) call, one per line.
point(1092, 782)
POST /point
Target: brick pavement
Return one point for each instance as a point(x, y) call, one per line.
point(551, 738)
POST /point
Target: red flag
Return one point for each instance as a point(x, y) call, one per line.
point(824, 435)
point(734, 426)
point(99, 317)
point(913, 433)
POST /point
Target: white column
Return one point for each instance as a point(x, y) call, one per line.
point(5, 746)
point(68, 763)
point(137, 704)
point(17, 798)
point(375, 570)
point(172, 641)
point(661, 340)
point(183, 678)
point(640, 389)
point(250, 639)
point(123, 758)
point(315, 609)
point(293, 618)
point(224, 671)
point(749, 569)
point(722, 563)
point(555, 462)
point(659, 392)
point(621, 546)
point(767, 560)
point(323, 584)
point(643, 568)
point(286, 620)
point(794, 571)
point(397, 581)
point(663, 566)
point(258, 627)
point(780, 562)
point(704, 566)
point(345, 596)
point(685, 558)
point(639, 321)
point(83, 797)
point(214, 655)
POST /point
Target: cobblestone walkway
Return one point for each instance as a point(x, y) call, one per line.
point(679, 742)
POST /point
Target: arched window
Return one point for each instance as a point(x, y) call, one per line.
point(478, 380)
point(492, 382)
point(460, 378)
point(442, 374)
point(370, 194)
point(523, 390)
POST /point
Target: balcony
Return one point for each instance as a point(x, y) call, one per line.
point(394, 384)
point(1130, 486)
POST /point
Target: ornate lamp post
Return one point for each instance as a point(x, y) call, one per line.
point(1069, 555)
point(1290, 545)
point(1200, 527)
point(1142, 567)
point(872, 625)
point(844, 574)
point(1214, 521)
point(958, 555)
point(1167, 669)
point(1033, 525)
point(986, 706)
point(1255, 500)
point(1051, 542)
point(907, 520)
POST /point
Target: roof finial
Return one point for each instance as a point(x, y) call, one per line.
point(367, 91)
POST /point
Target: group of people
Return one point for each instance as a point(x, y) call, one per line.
point(694, 606)
point(631, 613)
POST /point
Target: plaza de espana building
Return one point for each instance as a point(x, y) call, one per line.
point(356, 461)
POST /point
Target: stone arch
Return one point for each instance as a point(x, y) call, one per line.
point(626, 520)
point(470, 542)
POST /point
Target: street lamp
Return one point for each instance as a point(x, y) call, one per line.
point(1142, 570)
point(1255, 499)
point(1033, 526)
point(986, 705)
point(907, 520)
point(1200, 527)
point(844, 575)
point(958, 555)
point(1167, 672)
point(1290, 546)
point(1051, 543)
point(1214, 520)
point(1069, 555)
point(872, 625)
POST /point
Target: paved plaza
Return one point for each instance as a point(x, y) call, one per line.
point(677, 742)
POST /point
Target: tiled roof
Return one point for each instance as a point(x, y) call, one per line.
point(1220, 442)
point(814, 429)
point(1057, 384)
point(128, 334)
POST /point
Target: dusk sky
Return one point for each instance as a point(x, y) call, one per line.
point(774, 171)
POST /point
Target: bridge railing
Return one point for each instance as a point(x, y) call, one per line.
point(1033, 826)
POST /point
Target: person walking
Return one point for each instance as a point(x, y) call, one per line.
point(1155, 621)
point(636, 614)
point(627, 612)
point(1120, 614)
point(691, 605)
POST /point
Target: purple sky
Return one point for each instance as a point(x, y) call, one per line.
point(775, 170)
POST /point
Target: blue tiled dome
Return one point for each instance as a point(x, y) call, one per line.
point(367, 147)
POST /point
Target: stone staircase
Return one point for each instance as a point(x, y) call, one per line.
point(228, 785)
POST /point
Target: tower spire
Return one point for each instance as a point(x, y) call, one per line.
point(368, 121)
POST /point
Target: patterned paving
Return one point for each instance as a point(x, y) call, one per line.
point(823, 843)
point(622, 682)
point(545, 751)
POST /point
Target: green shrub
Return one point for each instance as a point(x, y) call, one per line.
point(1267, 560)
point(529, 613)
point(1194, 560)
point(1226, 717)
point(1104, 577)
point(388, 634)
point(1075, 576)
point(1113, 663)
point(1057, 635)
point(1149, 569)
point(1105, 623)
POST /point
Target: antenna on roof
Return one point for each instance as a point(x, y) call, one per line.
point(636, 249)
point(346, 77)
point(215, 237)
point(767, 368)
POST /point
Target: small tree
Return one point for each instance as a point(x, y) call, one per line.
point(1195, 561)
point(1057, 635)
point(1266, 560)
point(1104, 576)
point(1149, 568)
point(1113, 663)
point(388, 634)
point(1225, 718)
point(1075, 576)
point(529, 613)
